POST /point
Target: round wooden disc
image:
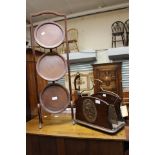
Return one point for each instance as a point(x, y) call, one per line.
point(51, 66)
point(49, 35)
point(54, 98)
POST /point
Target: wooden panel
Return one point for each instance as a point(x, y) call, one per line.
point(93, 147)
point(32, 145)
point(105, 147)
point(60, 146)
point(76, 146)
point(31, 88)
point(46, 145)
point(40, 145)
point(28, 110)
point(31, 82)
point(126, 148)
point(29, 55)
point(110, 75)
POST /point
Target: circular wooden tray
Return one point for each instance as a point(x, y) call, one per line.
point(49, 35)
point(54, 98)
point(51, 66)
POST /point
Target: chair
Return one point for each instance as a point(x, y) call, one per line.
point(127, 31)
point(72, 39)
point(118, 33)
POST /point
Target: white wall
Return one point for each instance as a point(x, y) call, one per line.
point(95, 30)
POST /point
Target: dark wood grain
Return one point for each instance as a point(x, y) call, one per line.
point(102, 113)
point(76, 146)
point(32, 145)
point(46, 145)
point(32, 100)
point(60, 146)
point(110, 75)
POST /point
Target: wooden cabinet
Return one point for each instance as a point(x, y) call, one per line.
point(47, 145)
point(111, 76)
point(59, 136)
point(31, 89)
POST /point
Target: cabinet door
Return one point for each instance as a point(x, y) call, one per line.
point(111, 76)
point(31, 84)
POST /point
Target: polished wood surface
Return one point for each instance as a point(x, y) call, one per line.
point(62, 126)
point(110, 75)
point(97, 113)
point(31, 93)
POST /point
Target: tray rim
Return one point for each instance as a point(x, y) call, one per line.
point(53, 111)
point(53, 46)
point(50, 54)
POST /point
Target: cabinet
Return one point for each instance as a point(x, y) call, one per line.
point(31, 93)
point(111, 76)
point(60, 137)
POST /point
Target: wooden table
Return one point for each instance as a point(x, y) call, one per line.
point(59, 136)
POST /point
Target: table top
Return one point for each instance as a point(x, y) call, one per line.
point(61, 125)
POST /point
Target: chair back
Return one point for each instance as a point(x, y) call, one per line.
point(118, 28)
point(127, 26)
point(72, 34)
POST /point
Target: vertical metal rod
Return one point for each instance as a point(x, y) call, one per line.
point(68, 64)
point(40, 117)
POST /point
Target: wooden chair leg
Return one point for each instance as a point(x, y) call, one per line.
point(115, 41)
point(123, 40)
point(112, 41)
